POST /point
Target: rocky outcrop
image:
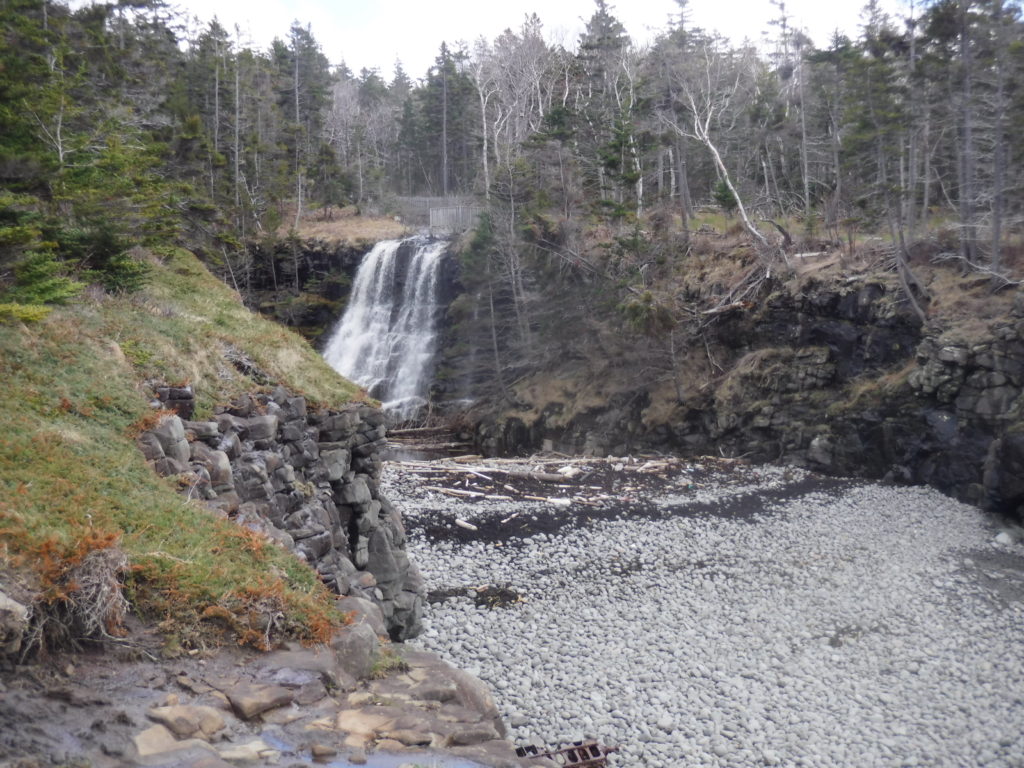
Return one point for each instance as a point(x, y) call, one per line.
point(302, 283)
point(837, 377)
point(240, 707)
point(308, 479)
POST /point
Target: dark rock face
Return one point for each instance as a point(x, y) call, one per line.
point(308, 479)
point(302, 284)
point(841, 379)
point(305, 284)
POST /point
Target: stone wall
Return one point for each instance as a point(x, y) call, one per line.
point(306, 477)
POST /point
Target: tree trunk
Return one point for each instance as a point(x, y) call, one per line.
point(683, 185)
point(926, 187)
point(804, 162)
point(238, 149)
point(910, 191)
point(298, 145)
point(999, 146)
point(484, 135)
point(444, 129)
point(216, 102)
point(724, 172)
point(968, 234)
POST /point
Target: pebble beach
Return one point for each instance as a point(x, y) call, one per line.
point(734, 616)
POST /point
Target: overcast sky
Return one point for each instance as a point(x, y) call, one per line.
point(373, 34)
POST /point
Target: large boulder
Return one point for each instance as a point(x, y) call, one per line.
point(170, 433)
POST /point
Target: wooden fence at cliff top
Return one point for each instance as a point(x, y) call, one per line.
point(416, 211)
point(454, 218)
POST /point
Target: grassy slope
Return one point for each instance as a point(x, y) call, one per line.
point(71, 401)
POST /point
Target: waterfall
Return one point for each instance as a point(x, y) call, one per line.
point(385, 340)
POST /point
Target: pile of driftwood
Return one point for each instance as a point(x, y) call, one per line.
point(428, 439)
point(557, 480)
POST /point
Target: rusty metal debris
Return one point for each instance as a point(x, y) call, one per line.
point(581, 754)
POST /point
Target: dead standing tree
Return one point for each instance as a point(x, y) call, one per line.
point(708, 82)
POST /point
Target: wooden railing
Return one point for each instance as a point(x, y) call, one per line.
point(416, 210)
point(454, 218)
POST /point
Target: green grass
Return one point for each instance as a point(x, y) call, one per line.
point(73, 398)
point(185, 320)
point(387, 662)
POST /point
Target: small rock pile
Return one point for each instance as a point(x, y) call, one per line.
point(308, 478)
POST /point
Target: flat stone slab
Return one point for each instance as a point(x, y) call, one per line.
point(157, 742)
point(186, 721)
point(251, 700)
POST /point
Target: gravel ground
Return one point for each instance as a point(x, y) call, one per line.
point(732, 616)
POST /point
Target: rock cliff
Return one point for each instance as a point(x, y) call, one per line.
point(838, 376)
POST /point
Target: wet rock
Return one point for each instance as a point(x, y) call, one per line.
point(464, 737)
point(213, 761)
point(250, 752)
point(362, 726)
point(297, 668)
point(409, 738)
point(913, 403)
point(251, 700)
point(189, 720)
point(157, 743)
point(322, 751)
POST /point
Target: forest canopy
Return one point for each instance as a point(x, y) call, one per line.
point(118, 128)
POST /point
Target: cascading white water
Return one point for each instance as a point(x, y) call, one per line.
point(386, 338)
